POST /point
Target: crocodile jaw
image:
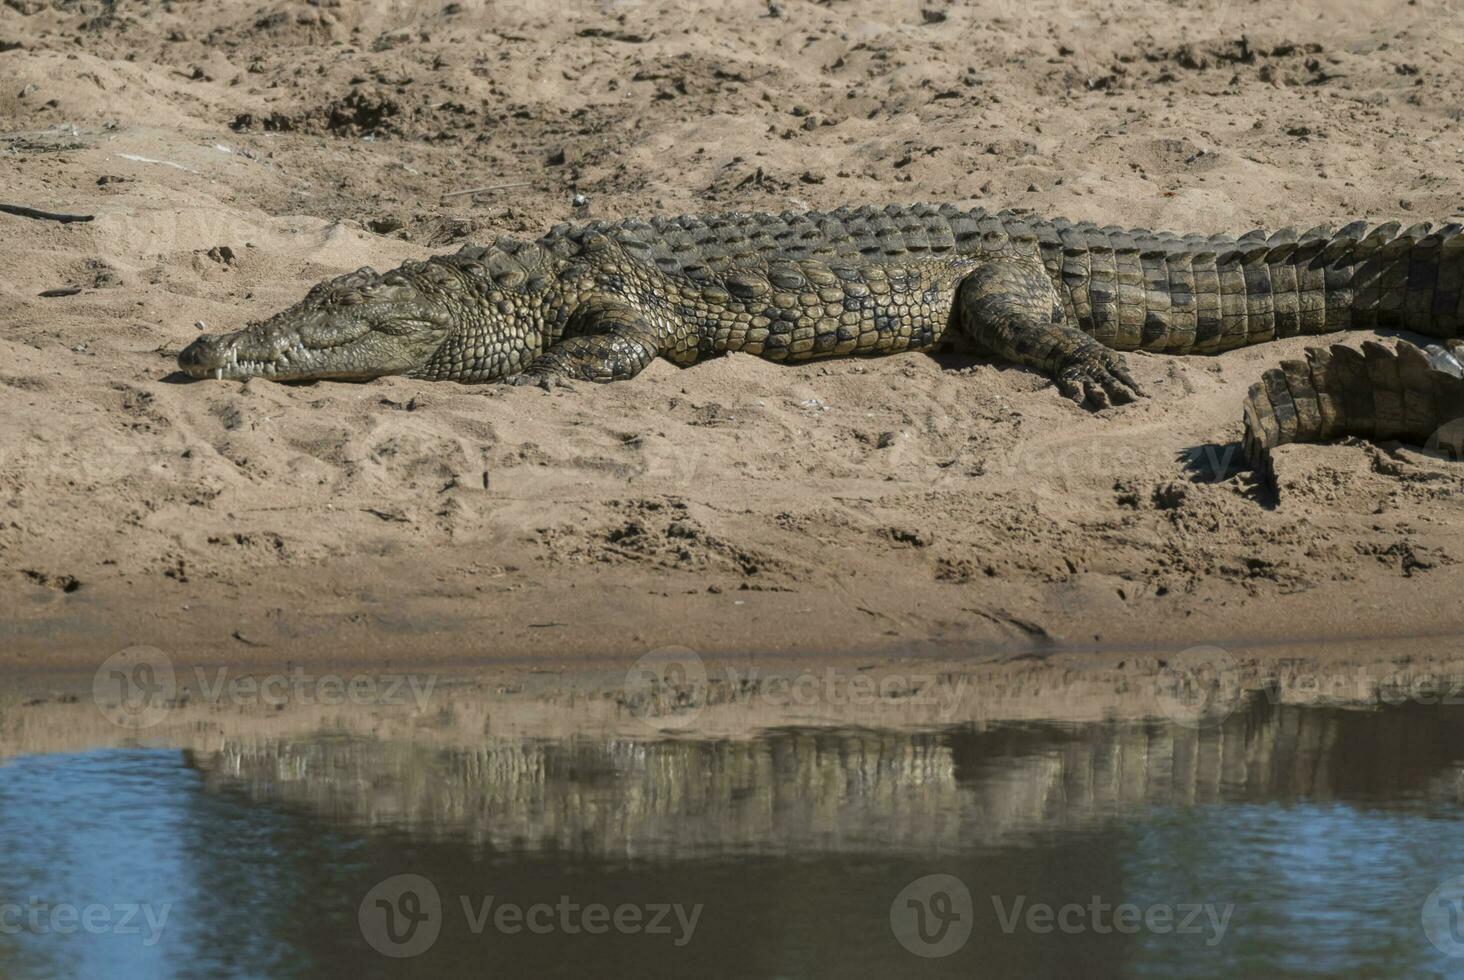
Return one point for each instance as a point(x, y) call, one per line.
point(286, 356)
point(233, 356)
point(352, 328)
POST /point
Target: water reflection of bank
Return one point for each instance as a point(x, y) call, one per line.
point(826, 790)
point(1323, 829)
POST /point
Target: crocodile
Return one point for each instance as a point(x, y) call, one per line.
point(598, 301)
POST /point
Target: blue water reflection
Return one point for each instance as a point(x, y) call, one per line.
point(1291, 841)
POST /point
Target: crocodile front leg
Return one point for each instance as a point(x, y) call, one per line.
point(1010, 309)
point(606, 341)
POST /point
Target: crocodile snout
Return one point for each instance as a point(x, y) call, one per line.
point(201, 358)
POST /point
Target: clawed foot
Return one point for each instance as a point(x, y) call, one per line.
point(538, 379)
point(1098, 378)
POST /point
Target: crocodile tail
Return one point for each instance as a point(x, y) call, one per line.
point(1160, 293)
point(1406, 393)
point(1409, 279)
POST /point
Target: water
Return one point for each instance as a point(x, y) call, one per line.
point(1286, 841)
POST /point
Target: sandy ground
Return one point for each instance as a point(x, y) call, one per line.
point(234, 154)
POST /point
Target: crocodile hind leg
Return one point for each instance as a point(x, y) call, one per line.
point(1011, 309)
point(607, 342)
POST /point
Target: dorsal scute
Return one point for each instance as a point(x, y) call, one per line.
point(723, 241)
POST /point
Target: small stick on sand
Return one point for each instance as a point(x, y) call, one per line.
point(26, 212)
point(490, 187)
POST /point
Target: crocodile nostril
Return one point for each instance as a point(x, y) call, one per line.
point(192, 355)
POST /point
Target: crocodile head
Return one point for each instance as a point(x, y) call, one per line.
point(356, 327)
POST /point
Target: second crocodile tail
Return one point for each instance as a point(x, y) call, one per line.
point(1406, 393)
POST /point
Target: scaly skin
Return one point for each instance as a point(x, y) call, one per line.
point(598, 302)
point(1407, 394)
